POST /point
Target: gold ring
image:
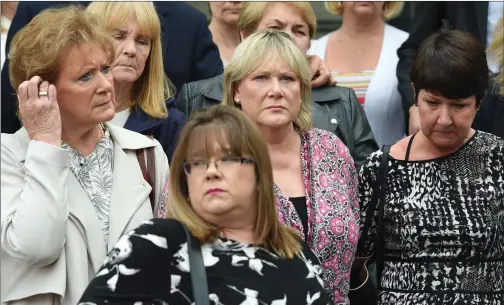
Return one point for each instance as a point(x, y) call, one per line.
point(42, 93)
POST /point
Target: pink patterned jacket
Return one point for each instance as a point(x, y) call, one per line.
point(331, 186)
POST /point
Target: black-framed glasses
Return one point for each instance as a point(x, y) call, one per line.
point(222, 164)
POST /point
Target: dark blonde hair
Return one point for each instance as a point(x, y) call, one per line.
point(252, 13)
point(391, 10)
point(153, 87)
point(239, 134)
point(38, 47)
point(264, 46)
point(496, 50)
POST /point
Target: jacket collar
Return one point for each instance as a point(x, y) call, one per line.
point(139, 121)
point(215, 87)
point(127, 139)
point(123, 138)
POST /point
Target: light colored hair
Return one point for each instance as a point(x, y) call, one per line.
point(263, 47)
point(252, 13)
point(236, 132)
point(38, 48)
point(496, 50)
point(153, 87)
point(391, 10)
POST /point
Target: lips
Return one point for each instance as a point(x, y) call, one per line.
point(103, 104)
point(275, 107)
point(214, 191)
point(125, 65)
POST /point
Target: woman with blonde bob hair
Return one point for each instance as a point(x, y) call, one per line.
point(71, 182)
point(362, 55)
point(222, 191)
point(314, 175)
point(143, 92)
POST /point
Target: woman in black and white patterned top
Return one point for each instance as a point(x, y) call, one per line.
point(222, 190)
point(444, 211)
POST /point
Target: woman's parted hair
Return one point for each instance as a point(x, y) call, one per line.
point(252, 13)
point(453, 64)
point(236, 132)
point(153, 87)
point(391, 10)
point(266, 46)
point(38, 47)
point(496, 50)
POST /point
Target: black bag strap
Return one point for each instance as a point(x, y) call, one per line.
point(380, 239)
point(198, 272)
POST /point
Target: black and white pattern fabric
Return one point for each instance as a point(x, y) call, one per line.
point(94, 173)
point(150, 265)
point(443, 226)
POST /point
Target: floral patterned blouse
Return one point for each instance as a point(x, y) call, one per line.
point(94, 174)
point(150, 265)
point(331, 191)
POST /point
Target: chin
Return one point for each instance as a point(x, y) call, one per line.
point(106, 115)
point(124, 76)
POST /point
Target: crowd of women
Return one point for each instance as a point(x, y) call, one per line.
point(276, 174)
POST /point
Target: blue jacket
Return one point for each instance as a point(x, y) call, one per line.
point(166, 131)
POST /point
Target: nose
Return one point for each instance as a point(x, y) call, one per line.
point(275, 89)
point(445, 116)
point(212, 172)
point(105, 82)
point(128, 47)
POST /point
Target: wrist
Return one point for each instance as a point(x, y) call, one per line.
point(47, 138)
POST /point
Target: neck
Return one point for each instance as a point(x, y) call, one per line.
point(280, 140)
point(82, 139)
point(428, 146)
point(244, 235)
point(358, 27)
point(225, 35)
point(9, 9)
point(123, 96)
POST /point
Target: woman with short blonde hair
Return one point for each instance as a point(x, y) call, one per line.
point(143, 91)
point(248, 59)
point(268, 79)
point(222, 192)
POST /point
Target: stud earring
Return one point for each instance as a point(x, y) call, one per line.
point(237, 100)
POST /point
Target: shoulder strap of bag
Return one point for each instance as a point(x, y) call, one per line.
point(148, 168)
point(382, 181)
point(198, 272)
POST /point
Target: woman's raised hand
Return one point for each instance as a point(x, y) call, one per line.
point(39, 110)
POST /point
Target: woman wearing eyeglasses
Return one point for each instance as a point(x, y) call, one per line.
point(222, 190)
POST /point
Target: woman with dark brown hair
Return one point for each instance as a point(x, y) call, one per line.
point(222, 191)
point(442, 228)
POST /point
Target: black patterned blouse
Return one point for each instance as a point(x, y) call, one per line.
point(443, 226)
point(150, 266)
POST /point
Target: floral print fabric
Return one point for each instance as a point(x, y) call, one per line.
point(94, 174)
point(331, 189)
point(150, 265)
